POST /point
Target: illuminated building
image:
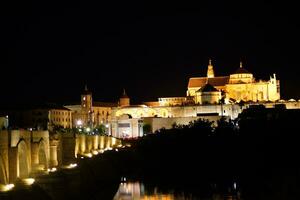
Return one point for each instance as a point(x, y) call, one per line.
point(89, 113)
point(209, 97)
point(42, 117)
point(238, 86)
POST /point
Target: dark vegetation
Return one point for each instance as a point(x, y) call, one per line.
point(260, 153)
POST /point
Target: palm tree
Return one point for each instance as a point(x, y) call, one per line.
point(222, 101)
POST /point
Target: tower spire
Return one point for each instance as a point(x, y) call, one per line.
point(210, 70)
point(241, 64)
point(85, 87)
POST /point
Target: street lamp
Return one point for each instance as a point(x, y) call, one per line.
point(79, 123)
point(107, 129)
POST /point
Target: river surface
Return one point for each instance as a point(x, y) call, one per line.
point(135, 190)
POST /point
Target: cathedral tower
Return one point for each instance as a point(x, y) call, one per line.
point(87, 105)
point(210, 70)
point(124, 99)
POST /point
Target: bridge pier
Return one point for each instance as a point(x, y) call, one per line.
point(53, 162)
point(13, 164)
point(4, 151)
point(108, 142)
point(96, 142)
point(101, 142)
point(35, 156)
point(89, 142)
point(70, 148)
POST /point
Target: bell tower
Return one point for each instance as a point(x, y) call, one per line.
point(210, 70)
point(87, 106)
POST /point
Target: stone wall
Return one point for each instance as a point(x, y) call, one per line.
point(158, 123)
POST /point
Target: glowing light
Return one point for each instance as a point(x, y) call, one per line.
point(72, 165)
point(5, 188)
point(89, 155)
point(95, 152)
point(79, 122)
point(88, 129)
point(116, 150)
point(234, 185)
point(113, 141)
point(123, 179)
point(101, 151)
point(28, 181)
point(53, 169)
point(108, 148)
point(106, 125)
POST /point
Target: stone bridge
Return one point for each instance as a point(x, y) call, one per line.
point(25, 153)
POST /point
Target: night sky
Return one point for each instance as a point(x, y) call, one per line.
point(49, 50)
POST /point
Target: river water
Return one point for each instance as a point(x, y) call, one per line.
point(135, 190)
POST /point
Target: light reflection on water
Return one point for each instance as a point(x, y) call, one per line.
point(138, 191)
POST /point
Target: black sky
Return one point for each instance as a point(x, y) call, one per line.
point(49, 50)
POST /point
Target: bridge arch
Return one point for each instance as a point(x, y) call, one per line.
point(42, 156)
point(22, 159)
point(39, 161)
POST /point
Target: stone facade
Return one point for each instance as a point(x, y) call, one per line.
point(89, 113)
point(239, 86)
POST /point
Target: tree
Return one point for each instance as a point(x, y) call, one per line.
point(100, 129)
point(147, 128)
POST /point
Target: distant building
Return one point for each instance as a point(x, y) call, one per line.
point(209, 97)
point(208, 94)
point(90, 113)
point(41, 117)
point(239, 86)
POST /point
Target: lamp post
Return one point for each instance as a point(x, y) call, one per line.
point(107, 129)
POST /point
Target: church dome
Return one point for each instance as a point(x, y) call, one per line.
point(242, 70)
point(241, 76)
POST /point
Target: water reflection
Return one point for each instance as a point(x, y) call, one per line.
point(136, 190)
point(140, 191)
